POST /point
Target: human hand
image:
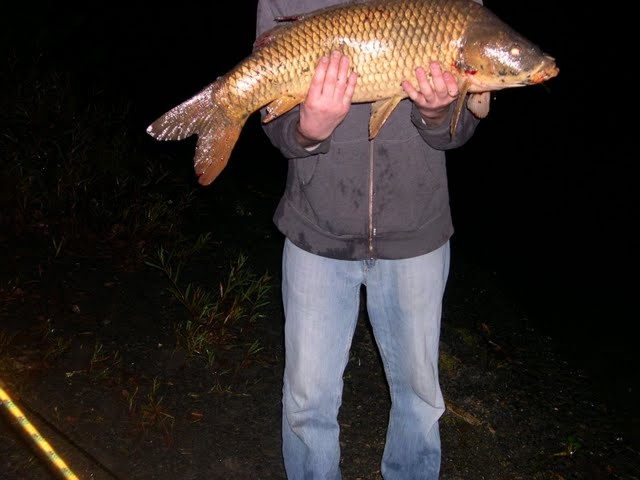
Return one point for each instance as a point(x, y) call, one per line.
point(432, 97)
point(328, 99)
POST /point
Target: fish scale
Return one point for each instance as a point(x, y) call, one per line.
point(386, 40)
point(420, 31)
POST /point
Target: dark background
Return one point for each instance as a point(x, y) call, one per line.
point(543, 195)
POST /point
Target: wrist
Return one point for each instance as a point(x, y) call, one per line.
point(434, 119)
point(305, 141)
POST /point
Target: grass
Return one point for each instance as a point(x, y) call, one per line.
point(74, 172)
point(217, 318)
point(149, 412)
point(77, 184)
point(153, 413)
point(71, 168)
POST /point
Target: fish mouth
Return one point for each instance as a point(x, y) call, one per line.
point(548, 70)
point(544, 75)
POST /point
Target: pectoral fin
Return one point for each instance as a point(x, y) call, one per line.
point(281, 106)
point(380, 111)
point(462, 94)
point(478, 103)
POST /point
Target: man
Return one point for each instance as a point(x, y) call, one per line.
point(358, 212)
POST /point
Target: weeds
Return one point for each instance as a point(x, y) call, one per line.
point(572, 446)
point(249, 354)
point(218, 318)
point(98, 356)
point(102, 362)
point(72, 170)
point(57, 246)
point(131, 399)
point(56, 347)
point(151, 414)
point(5, 341)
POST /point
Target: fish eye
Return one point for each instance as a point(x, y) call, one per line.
point(515, 51)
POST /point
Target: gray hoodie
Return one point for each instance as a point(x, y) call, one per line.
point(352, 198)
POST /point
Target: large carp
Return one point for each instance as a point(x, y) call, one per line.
point(386, 41)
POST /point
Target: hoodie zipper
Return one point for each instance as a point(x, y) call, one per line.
point(372, 230)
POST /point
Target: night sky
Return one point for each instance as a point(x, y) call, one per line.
point(543, 194)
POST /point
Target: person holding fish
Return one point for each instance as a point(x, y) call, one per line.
point(363, 212)
point(364, 99)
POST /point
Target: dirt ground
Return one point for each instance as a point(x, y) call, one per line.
point(121, 401)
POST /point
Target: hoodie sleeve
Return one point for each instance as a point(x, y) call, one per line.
point(439, 137)
point(265, 17)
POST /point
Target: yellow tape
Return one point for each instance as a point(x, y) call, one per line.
point(35, 436)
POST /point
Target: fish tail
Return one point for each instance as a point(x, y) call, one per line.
point(217, 132)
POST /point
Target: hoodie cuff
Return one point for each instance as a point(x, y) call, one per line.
point(298, 151)
point(420, 124)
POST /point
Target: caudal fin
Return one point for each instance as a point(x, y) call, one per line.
point(203, 116)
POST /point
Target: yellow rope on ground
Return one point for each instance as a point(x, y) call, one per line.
point(35, 436)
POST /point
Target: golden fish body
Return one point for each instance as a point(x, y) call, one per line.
point(386, 41)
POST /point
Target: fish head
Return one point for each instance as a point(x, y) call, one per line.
point(493, 56)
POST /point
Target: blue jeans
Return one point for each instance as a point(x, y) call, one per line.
point(321, 303)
